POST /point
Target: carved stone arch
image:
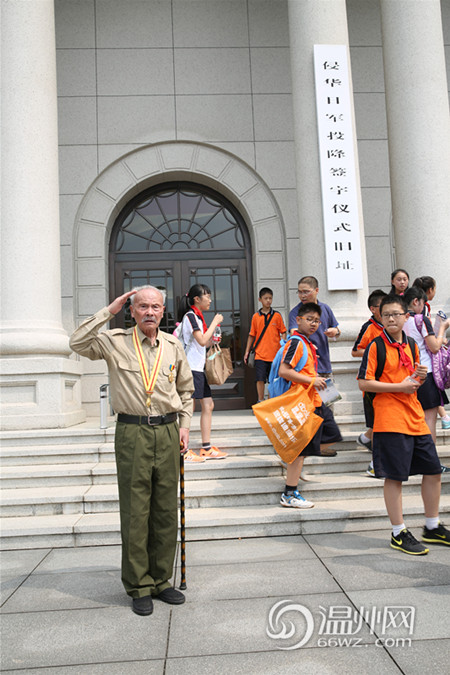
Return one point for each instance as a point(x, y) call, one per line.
point(175, 160)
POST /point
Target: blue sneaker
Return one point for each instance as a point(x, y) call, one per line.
point(295, 501)
point(445, 424)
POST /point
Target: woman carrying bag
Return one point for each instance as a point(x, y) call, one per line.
point(196, 337)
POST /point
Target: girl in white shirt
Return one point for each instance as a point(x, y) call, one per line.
point(428, 284)
point(421, 330)
point(197, 336)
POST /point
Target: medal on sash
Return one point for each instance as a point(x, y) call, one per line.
point(149, 380)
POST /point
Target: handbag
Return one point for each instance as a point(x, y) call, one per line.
point(440, 361)
point(289, 421)
point(252, 352)
point(218, 365)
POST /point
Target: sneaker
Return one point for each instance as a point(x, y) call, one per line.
point(366, 444)
point(213, 453)
point(445, 424)
point(295, 501)
point(440, 535)
point(445, 469)
point(192, 458)
point(370, 471)
point(408, 544)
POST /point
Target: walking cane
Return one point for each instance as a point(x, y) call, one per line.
point(182, 525)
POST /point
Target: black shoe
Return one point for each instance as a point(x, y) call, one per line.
point(171, 596)
point(439, 535)
point(445, 469)
point(143, 606)
point(328, 453)
point(408, 544)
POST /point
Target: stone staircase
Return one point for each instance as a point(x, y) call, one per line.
point(59, 486)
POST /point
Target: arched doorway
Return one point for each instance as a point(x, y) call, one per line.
point(174, 235)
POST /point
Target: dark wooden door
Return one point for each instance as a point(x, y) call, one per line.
point(175, 235)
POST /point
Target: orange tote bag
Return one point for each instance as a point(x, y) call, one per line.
point(289, 421)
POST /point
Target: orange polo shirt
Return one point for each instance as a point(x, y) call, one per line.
point(293, 352)
point(394, 412)
point(270, 344)
point(369, 331)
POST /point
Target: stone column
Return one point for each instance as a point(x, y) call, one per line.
point(39, 383)
point(318, 22)
point(419, 137)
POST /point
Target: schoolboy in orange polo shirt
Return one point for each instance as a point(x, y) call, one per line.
point(269, 344)
point(308, 321)
point(369, 330)
point(402, 443)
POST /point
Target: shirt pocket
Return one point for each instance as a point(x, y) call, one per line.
point(128, 366)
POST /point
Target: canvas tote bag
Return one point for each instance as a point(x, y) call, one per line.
point(289, 421)
point(218, 366)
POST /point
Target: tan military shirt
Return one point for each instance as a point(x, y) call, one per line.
point(127, 388)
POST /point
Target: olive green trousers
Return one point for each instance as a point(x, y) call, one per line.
point(148, 467)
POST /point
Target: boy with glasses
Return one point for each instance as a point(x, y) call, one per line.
point(402, 443)
point(308, 322)
point(308, 290)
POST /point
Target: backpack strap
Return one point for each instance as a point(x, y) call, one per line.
point(381, 353)
point(412, 345)
point(187, 346)
point(381, 356)
point(304, 356)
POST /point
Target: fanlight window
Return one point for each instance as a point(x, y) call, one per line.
point(179, 220)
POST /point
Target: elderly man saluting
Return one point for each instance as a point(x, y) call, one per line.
point(151, 386)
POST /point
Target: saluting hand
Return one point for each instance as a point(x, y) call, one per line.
point(119, 302)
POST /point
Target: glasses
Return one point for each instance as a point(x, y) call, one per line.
point(393, 315)
point(312, 321)
point(305, 292)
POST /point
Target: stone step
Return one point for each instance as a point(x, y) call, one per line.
point(97, 473)
point(237, 433)
point(258, 443)
point(71, 453)
point(251, 464)
point(217, 523)
point(208, 492)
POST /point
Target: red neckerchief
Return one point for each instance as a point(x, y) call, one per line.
point(373, 321)
point(313, 347)
point(428, 307)
point(403, 356)
point(200, 316)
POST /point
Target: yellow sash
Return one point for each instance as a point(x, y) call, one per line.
point(149, 380)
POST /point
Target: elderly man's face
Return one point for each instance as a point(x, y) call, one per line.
point(147, 310)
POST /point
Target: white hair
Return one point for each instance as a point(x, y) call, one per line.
point(147, 287)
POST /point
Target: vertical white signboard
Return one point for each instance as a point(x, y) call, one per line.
point(337, 168)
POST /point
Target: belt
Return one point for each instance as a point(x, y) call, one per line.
point(151, 421)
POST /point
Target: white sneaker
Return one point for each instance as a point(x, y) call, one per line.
point(295, 501)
